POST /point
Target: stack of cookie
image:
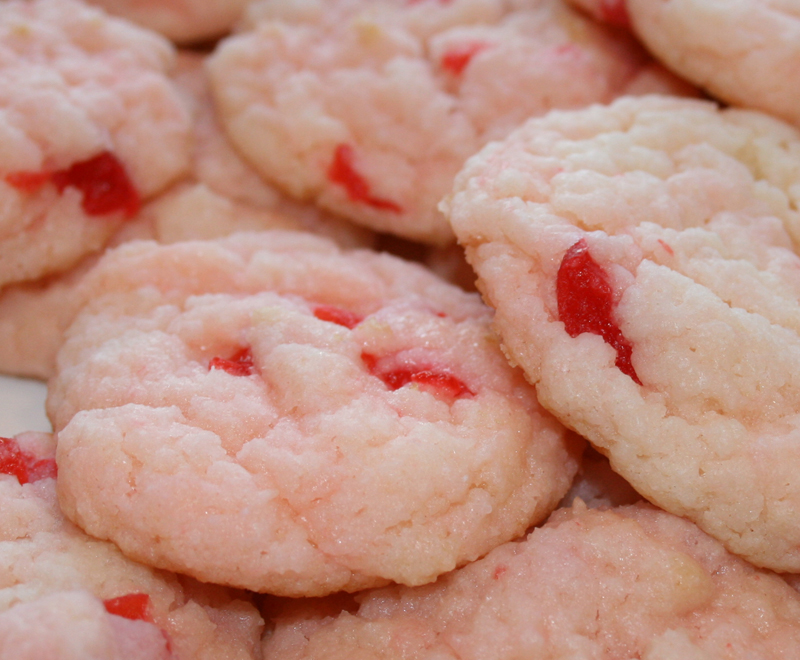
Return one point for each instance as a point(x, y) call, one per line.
point(285, 425)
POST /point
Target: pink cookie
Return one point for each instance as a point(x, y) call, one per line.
point(642, 261)
point(370, 108)
point(90, 126)
point(632, 582)
point(315, 419)
point(62, 589)
point(220, 196)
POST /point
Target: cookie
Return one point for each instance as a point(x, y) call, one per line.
point(74, 625)
point(91, 126)
point(642, 260)
point(744, 52)
point(220, 195)
point(318, 420)
point(370, 108)
point(62, 589)
point(632, 582)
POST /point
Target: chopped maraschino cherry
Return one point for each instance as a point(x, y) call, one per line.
point(342, 172)
point(102, 180)
point(394, 378)
point(28, 182)
point(24, 465)
point(104, 183)
point(239, 364)
point(456, 59)
point(615, 12)
point(134, 606)
point(338, 315)
point(585, 303)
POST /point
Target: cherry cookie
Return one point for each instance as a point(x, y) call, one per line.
point(90, 126)
point(641, 258)
point(631, 582)
point(65, 595)
point(370, 108)
point(270, 412)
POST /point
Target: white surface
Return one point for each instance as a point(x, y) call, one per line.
point(22, 406)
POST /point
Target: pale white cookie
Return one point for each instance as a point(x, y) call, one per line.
point(370, 108)
point(642, 261)
point(62, 590)
point(632, 582)
point(744, 52)
point(315, 419)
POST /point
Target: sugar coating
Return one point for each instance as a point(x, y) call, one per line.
point(632, 582)
point(182, 21)
point(691, 214)
point(312, 473)
point(370, 108)
point(75, 84)
point(741, 51)
point(54, 579)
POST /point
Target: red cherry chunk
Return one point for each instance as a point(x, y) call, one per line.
point(24, 465)
point(28, 182)
point(615, 12)
point(104, 183)
point(456, 59)
point(338, 315)
point(342, 171)
point(442, 382)
point(134, 606)
point(585, 303)
point(239, 364)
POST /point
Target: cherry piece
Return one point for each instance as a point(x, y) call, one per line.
point(342, 172)
point(615, 12)
point(134, 606)
point(585, 303)
point(338, 315)
point(104, 183)
point(456, 60)
point(28, 182)
point(239, 364)
point(442, 382)
point(24, 465)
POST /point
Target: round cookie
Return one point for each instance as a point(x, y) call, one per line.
point(89, 125)
point(317, 420)
point(744, 52)
point(632, 582)
point(642, 261)
point(370, 108)
point(182, 21)
point(62, 589)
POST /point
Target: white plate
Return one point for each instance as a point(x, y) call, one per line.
point(22, 406)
